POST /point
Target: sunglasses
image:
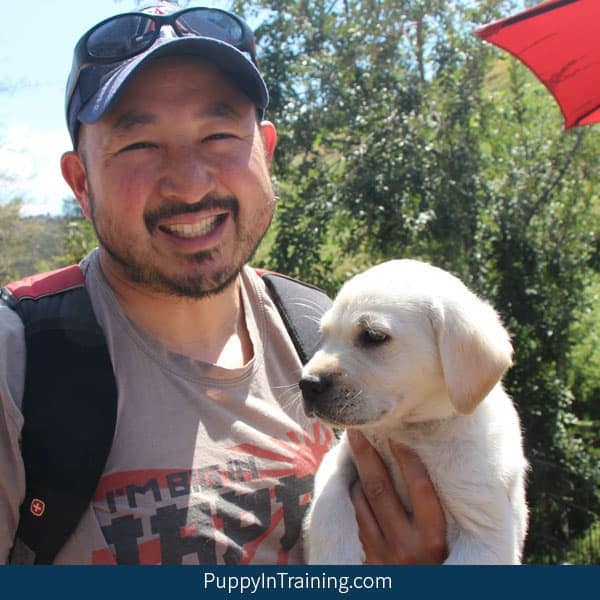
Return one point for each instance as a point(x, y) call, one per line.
point(123, 36)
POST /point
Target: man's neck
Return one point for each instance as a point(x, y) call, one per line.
point(211, 329)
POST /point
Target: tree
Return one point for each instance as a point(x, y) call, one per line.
point(29, 244)
point(11, 243)
point(80, 236)
point(540, 254)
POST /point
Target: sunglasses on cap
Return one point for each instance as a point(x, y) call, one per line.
point(123, 36)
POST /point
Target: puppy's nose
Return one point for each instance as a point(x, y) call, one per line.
point(313, 387)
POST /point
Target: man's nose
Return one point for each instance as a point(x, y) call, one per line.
point(186, 176)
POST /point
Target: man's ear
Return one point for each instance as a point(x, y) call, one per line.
point(269, 137)
point(74, 173)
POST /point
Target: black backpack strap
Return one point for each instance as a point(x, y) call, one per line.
point(69, 408)
point(301, 306)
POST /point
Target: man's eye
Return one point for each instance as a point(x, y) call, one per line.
point(138, 146)
point(218, 136)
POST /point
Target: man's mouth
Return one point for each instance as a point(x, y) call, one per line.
point(192, 230)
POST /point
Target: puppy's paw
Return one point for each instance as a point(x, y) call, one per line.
point(332, 534)
point(344, 550)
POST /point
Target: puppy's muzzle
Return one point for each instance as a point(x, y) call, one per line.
point(315, 388)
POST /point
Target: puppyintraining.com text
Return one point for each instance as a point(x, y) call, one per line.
point(282, 581)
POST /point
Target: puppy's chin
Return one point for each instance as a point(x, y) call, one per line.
point(339, 422)
point(331, 415)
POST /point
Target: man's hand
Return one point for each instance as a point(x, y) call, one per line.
point(388, 533)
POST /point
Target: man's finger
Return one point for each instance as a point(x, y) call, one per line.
point(428, 514)
point(377, 487)
point(370, 534)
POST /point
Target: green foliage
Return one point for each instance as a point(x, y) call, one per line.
point(12, 244)
point(80, 237)
point(585, 548)
point(585, 355)
point(540, 268)
point(29, 244)
point(41, 243)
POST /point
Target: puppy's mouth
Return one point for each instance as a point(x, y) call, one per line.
point(337, 421)
point(338, 411)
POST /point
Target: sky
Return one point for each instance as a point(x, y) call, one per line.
point(37, 38)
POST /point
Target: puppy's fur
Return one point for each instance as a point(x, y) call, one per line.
point(410, 354)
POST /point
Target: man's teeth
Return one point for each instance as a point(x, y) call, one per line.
point(188, 230)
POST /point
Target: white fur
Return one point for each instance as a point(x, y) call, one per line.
point(433, 385)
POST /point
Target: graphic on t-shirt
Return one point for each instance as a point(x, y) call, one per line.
point(249, 509)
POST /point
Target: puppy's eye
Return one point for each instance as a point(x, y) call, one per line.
point(370, 338)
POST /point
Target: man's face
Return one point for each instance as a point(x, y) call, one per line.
point(175, 179)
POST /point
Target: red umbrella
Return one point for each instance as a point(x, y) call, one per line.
point(559, 41)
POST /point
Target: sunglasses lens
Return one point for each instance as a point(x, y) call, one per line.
point(210, 23)
point(121, 36)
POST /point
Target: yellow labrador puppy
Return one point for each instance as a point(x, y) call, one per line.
point(411, 355)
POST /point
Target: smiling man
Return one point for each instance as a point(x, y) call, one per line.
point(175, 179)
point(212, 458)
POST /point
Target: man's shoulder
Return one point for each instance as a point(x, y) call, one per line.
point(45, 295)
point(49, 301)
point(12, 361)
point(10, 323)
point(40, 285)
point(35, 295)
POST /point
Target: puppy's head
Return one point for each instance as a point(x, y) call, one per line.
point(408, 340)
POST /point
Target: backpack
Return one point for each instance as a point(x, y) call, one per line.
point(65, 442)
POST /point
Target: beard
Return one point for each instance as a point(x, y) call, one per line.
point(198, 280)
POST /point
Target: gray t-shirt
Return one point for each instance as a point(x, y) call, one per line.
point(208, 465)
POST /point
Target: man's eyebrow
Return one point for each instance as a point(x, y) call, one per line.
point(131, 119)
point(218, 110)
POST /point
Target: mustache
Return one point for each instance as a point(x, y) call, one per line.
point(209, 202)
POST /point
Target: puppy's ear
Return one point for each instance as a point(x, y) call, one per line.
point(475, 349)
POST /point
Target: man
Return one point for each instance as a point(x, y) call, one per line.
point(212, 458)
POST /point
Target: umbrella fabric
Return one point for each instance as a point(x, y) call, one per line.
point(559, 41)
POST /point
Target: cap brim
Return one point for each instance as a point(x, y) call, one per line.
point(234, 63)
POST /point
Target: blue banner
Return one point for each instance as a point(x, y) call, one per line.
point(480, 583)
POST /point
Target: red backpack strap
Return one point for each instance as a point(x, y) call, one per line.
point(69, 408)
point(45, 284)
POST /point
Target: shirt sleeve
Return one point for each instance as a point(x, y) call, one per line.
point(12, 470)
